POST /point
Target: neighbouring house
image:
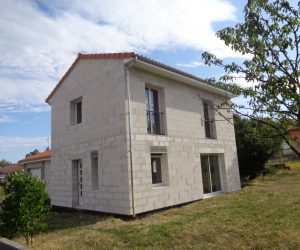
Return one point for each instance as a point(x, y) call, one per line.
point(294, 134)
point(131, 135)
point(286, 152)
point(9, 169)
point(38, 165)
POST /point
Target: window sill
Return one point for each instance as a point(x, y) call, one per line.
point(158, 186)
point(214, 194)
point(208, 138)
point(76, 125)
point(157, 134)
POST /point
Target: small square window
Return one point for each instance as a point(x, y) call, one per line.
point(76, 111)
point(156, 169)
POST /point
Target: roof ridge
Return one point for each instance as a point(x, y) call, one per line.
point(127, 55)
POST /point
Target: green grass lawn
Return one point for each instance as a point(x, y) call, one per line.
point(263, 215)
point(293, 164)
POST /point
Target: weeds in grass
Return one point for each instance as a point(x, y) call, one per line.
point(264, 215)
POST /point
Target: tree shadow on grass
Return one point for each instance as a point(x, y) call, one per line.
point(63, 220)
point(71, 219)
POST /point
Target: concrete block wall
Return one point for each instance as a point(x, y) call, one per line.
point(185, 142)
point(101, 84)
point(104, 128)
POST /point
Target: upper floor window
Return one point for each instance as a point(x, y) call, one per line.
point(76, 111)
point(209, 123)
point(154, 116)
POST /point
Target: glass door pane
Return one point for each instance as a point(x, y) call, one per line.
point(205, 174)
point(215, 173)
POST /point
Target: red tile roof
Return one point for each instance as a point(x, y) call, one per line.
point(107, 55)
point(42, 155)
point(11, 168)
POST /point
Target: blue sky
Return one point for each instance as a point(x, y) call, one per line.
point(40, 39)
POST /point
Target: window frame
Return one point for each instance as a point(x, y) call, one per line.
point(214, 173)
point(78, 118)
point(155, 115)
point(75, 119)
point(94, 170)
point(157, 156)
point(209, 120)
point(164, 169)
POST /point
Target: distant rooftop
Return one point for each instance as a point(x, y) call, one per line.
point(42, 155)
point(11, 168)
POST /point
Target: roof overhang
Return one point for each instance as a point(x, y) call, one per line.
point(186, 79)
point(22, 163)
point(149, 65)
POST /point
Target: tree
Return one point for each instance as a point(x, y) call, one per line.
point(4, 163)
point(256, 143)
point(269, 37)
point(34, 152)
point(25, 207)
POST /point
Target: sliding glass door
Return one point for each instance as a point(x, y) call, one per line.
point(210, 173)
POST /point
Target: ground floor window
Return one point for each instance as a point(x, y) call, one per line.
point(77, 182)
point(94, 170)
point(156, 160)
point(210, 173)
point(36, 172)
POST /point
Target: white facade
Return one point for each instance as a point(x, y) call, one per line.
point(92, 123)
point(40, 168)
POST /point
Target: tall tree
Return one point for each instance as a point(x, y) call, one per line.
point(270, 38)
point(4, 163)
point(256, 143)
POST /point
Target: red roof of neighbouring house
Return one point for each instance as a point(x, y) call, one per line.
point(39, 156)
point(11, 168)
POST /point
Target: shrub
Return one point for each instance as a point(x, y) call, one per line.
point(25, 207)
point(256, 143)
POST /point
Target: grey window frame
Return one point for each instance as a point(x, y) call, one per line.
point(76, 111)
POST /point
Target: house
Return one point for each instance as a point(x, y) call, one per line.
point(9, 169)
point(294, 134)
point(38, 165)
point(286, 152)
point(131, 135)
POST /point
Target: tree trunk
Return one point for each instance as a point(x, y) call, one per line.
point(27, 239)
point(291, 146)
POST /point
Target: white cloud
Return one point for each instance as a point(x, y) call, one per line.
point(192, 64)
point(240, 80)
point(40, 39)
point(20, 95)
point(5, 119)
point(12, 143)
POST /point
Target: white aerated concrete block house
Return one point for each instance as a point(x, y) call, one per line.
point(131, 135)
